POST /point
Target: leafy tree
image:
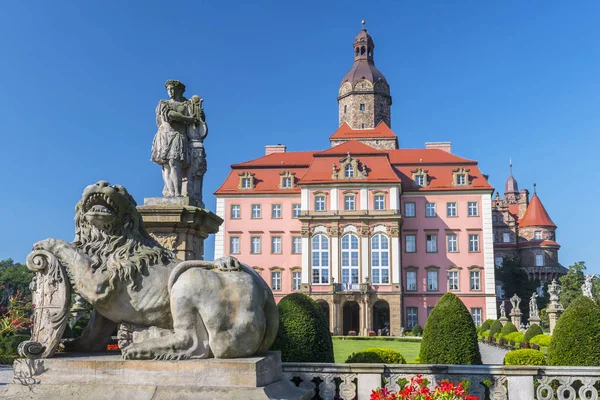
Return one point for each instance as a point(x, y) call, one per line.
point(14, 277)
point(572, 281)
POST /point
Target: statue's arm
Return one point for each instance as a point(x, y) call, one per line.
point(180, 117)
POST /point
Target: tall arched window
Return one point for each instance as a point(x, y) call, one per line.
point(350, 259)
point(380, 259)
point(349, 171)
point(320, 259)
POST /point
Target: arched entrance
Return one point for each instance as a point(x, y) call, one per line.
point(381, 317)
point(351, 317)
point(324, 307)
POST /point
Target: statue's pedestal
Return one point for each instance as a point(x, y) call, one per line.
point(111, 377)
point(515, 318)
point(504, 320)
point(179, 225)
point(554, 312)
point(535, 320)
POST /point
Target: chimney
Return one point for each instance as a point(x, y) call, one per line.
point(274, 148)
point(446, 146)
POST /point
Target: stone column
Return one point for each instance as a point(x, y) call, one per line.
point(179, 225)
point(515, 318)
point(334, 316)
point(554, 309)
point(553, 314)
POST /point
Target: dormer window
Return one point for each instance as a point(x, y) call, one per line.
point(420, 180)
point(286, 180)
point(420, 177)
point(246, 181)
point(351, 167)
point(349, 171)
point(460, 177)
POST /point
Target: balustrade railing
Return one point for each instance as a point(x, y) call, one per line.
point(356, 381)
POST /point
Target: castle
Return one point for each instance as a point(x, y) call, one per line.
point(374, 233)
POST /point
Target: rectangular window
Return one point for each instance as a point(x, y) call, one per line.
point(431, 243)
point(296, 280)
point(235, 211)
point(430, 210)
point(320, 203)
point(473, 209)
point(539, 260)
point(411, 317)
point(452, 243)
point(276, 280)
point(287, 182)
point(537, 235)
point(420, 180)
point(452, 280)
point(475, 280)
point(296, 210)
point(506, 237)
point(361, 107)
point(476, 313)
point(411, 243)
point(429, 310)
point(276, 211)
point(411, 281)
point(380, 202)
point(473, 243)
point(498, 262)
point(409, 209)
point(255, 244)
point(349, 202)
point(234, 245)
point(246, 183)
point(451, 209)
point(276, 245)
point(296, 245)
point(461, 179)
point(432, 280)
point(256, 211)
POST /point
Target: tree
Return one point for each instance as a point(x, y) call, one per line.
point(14, 277)
point(572, 281)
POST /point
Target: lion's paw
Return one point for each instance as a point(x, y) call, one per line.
point(137, 352)
point(227, 264)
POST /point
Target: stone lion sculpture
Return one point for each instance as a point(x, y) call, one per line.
point(166, 308)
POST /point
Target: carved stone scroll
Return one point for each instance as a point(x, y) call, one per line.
point(51, 291)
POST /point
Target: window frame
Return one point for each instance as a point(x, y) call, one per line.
point(276, 280)
point(537, 257)
point(377, 255)
point(279, 207)
point(255, 207)
point(469, 208)
point(537, 235)
point(252, 248)
point(318, 200)
point(455, 241)
point(414, 236)
point(450, 280)
point(276, 241)
point(480, 316)
point(506, 235)
point(472, 243)
point(428, 208)
point(238, 207)
point(451, 205)
point(381, 206)
point(296, 274)
point(347, 197)
point(434, 243)
point(410, 317)
point(294, 238)
point(231, 246)
point(412, 272)
point(475, 277)
point(353, 255)
point(433, 272)
point(299, 209)
point(414, 209)
point(321, 252)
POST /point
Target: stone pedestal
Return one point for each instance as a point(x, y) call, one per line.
point(553, 314)
point(111, 377)
point(515, 318)
point(179, 225)
point(535, 320)
point(504, 320)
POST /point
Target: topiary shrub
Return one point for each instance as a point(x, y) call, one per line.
point(533, 330)
point(485, 334)
point(417, 330)
point(576, 337)
point(508, 328)
point(303, 335)
point(487, 324)
point(516, 337)
point(376, 355)
point(449, 336)
point(541, 340)
point(495, 328)
point(524, 357)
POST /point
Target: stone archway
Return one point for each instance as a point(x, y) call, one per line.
point(351, 314)
point(324, 307)
point(381, 317)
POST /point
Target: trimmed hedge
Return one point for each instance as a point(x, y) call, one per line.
point(516, 337)
point(376, 355)
point(533, 330)
point(411, 339)
point(576, 337)
point(487, 324)
point(303, 335)
point(524, 357)
point(541, 340)
point(495, 328)
point(417, 330)
point(508, 328)
point(449, 336)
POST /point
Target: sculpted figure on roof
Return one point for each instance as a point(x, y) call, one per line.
point(178, 143)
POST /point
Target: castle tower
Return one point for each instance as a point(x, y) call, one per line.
point(364, 97)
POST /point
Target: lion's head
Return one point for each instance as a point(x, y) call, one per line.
point(110, 230)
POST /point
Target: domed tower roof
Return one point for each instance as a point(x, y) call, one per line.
point(536, 214)
point(511, 185)
point(364, 63)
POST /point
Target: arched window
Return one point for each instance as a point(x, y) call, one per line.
point(349, 171)
point(320, 259)
point(350, 260)
point(362, 51)
point(356, 51)
point(380, 259)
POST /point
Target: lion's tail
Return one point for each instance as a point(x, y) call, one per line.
point(183, 267)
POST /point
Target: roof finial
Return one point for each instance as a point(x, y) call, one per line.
point(510, 164)
point(534, 185)
point(363, 22)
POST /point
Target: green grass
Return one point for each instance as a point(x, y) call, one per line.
point(343, 348)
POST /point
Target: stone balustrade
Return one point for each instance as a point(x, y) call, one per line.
point(356, 381)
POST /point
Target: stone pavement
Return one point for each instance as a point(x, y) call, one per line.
point(6, 374)
point(491, 355)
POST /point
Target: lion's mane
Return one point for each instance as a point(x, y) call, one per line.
point(126, 252)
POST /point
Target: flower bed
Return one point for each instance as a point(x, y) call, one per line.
point(417, 390)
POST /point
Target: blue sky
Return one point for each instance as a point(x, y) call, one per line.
point(80, 81)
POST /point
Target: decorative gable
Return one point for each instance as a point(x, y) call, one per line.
point(460, 177)
point(350, 168)
point(246, 181)
point(287, 180)
point(420, 177)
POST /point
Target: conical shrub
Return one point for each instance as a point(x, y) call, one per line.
point(450, 336)
point(576, 337)
point(532, 331)
point(508, 327)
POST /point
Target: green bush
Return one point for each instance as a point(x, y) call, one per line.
point(417, 330)
point(487, 324)
point(576, 337)
point(495, 328)
point(303, 335)
point(533, 330)
point(485, 334)
point(376, 355)
point(516, 337)
point(7, 360)
point(541, 340)
point(508, 328)
point(449, 336)
point(10, 343)
point(524, 357)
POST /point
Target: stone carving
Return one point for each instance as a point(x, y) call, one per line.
point(515, 301)
point(502, 310)
point(533, 308)
point(554, 290)
point(168, 241)
point(178, 143)
point(588, 286)
point(168, 309)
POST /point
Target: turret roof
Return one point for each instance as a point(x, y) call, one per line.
point(536, 214)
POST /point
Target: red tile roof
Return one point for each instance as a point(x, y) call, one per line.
point(536, 214)
point(378, 170)
point(381, 131)
point(353, 147)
